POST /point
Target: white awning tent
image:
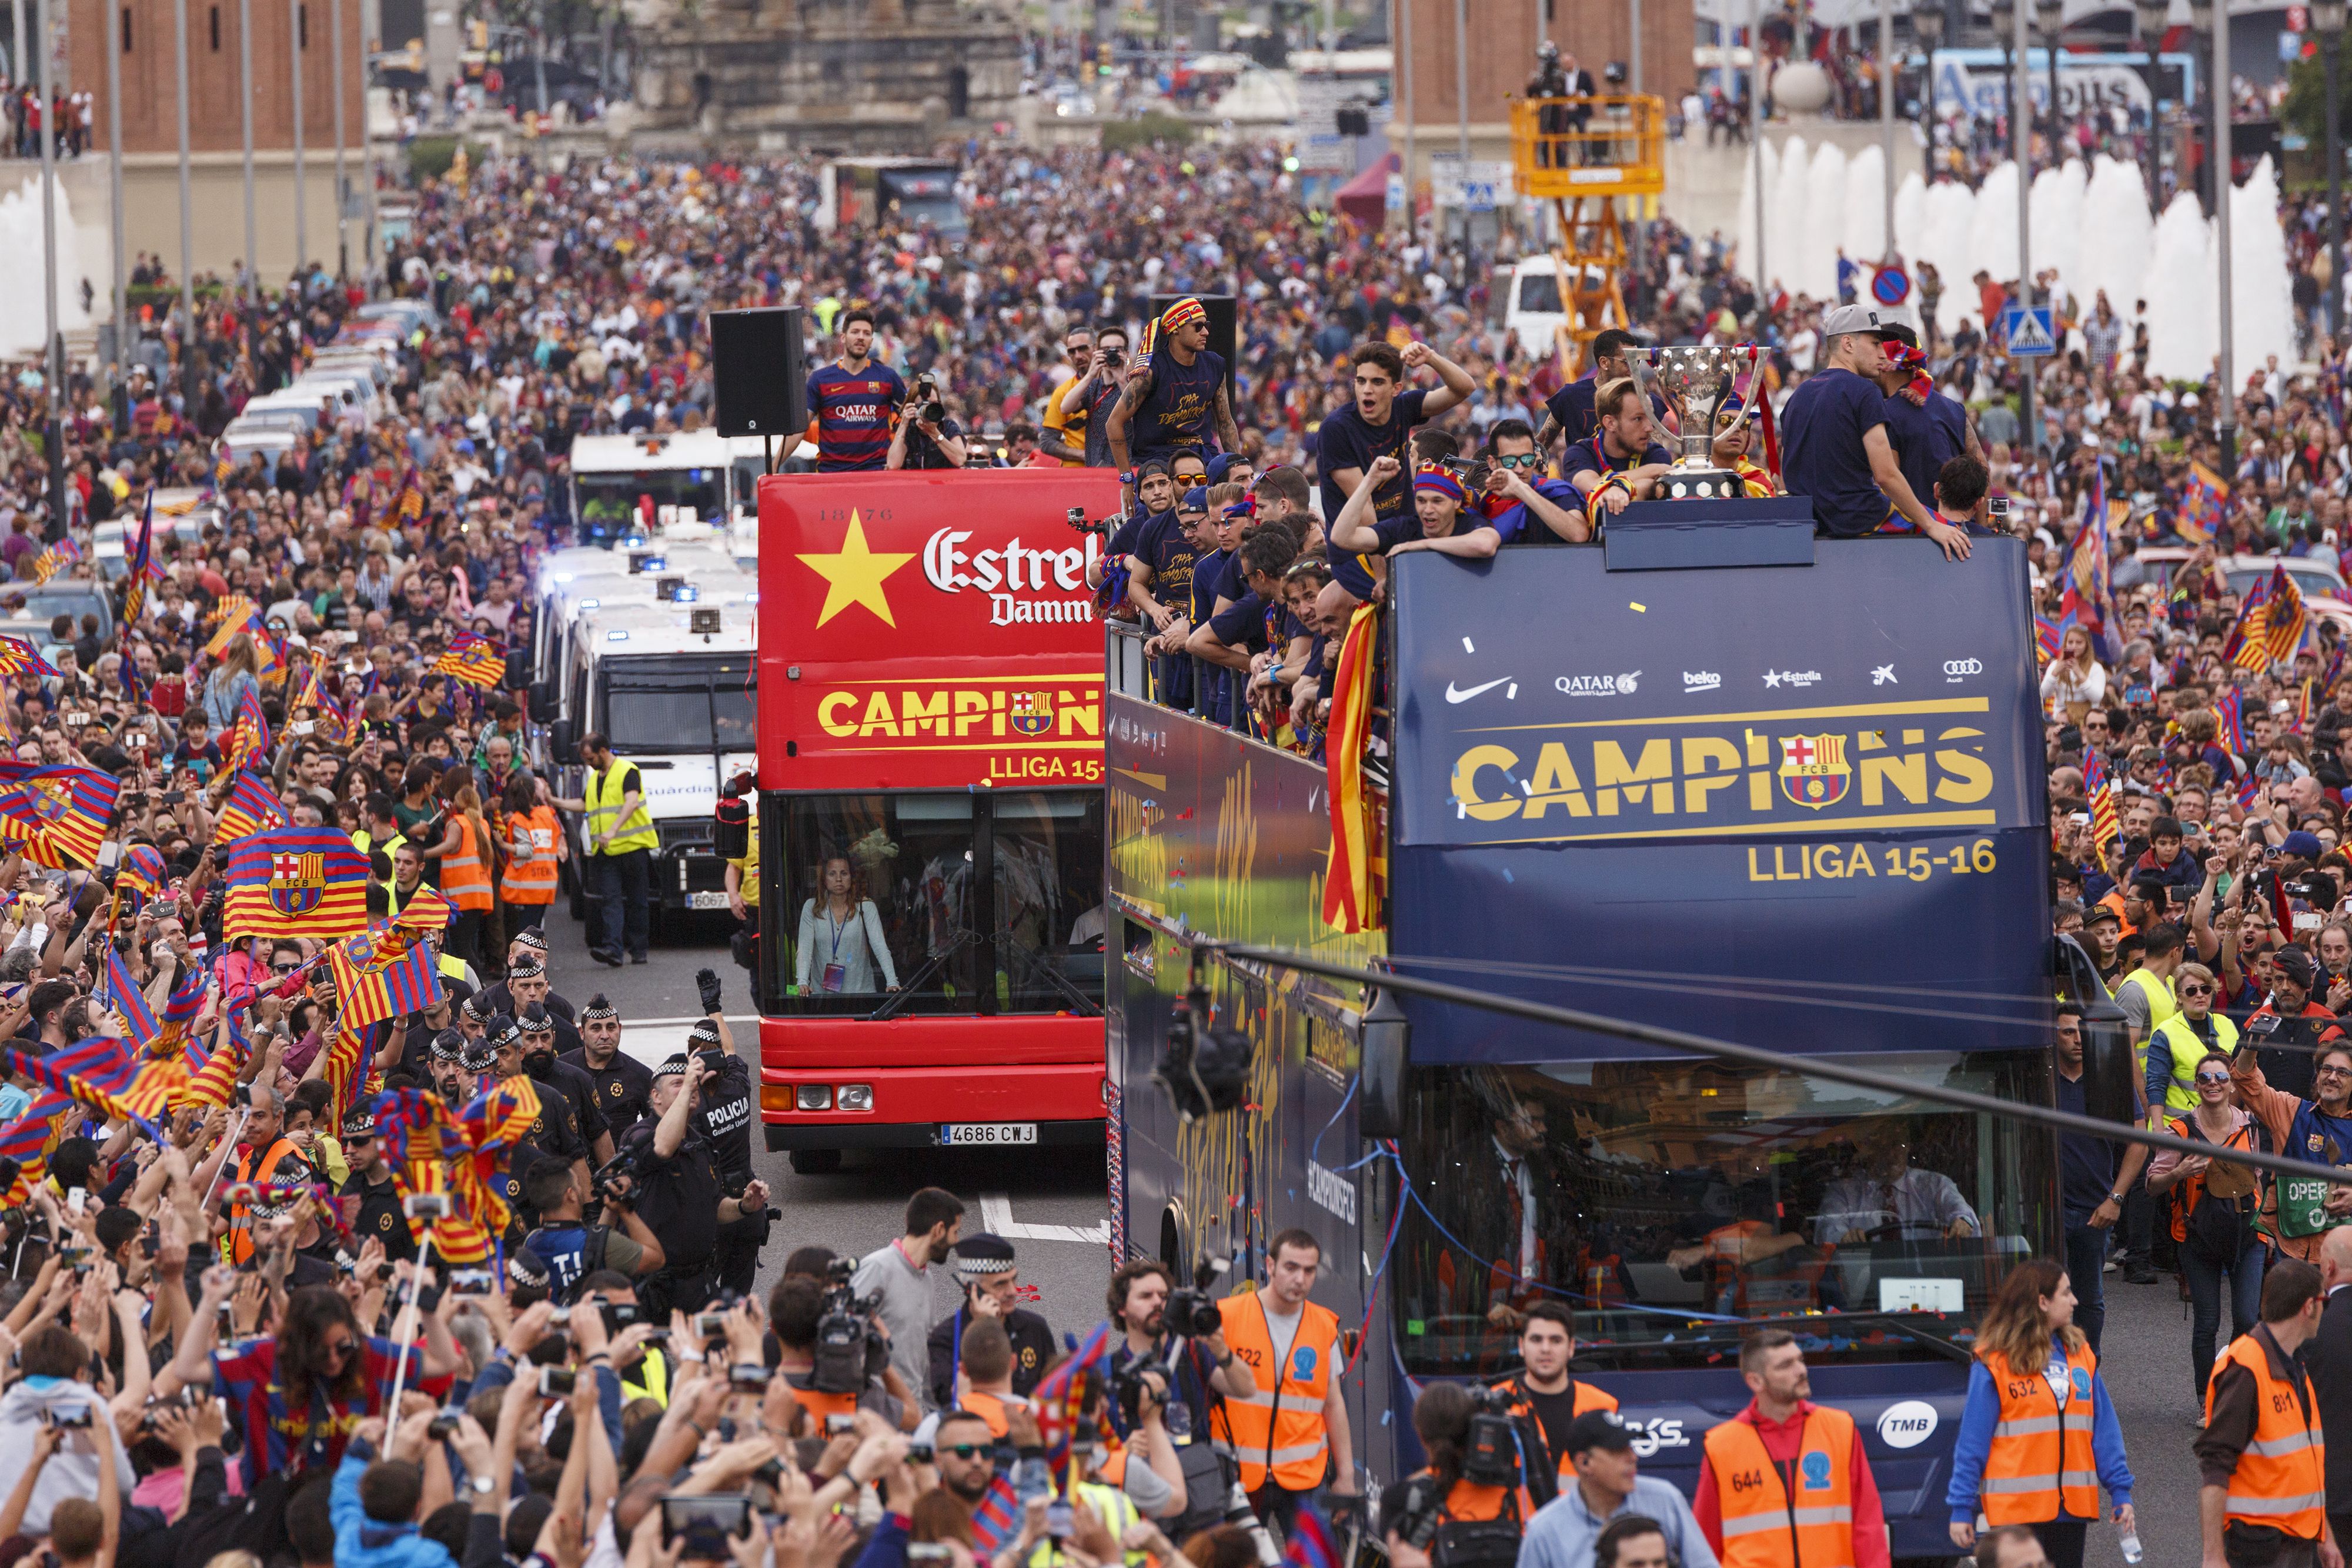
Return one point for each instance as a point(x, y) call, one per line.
point(1866, 12)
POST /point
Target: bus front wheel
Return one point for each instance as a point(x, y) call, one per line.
point(817, 1162)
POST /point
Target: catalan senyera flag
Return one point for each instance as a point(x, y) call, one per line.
point(232, 614)
point(2271, 624)
point(250, 808)
point(473, 659)
point(295, 881)
point(59, 813)
point(2204, 504)
point(18, 657)
point(1351, 881)
point(2099, 794)
point(248, 734)
point(382, 974)
point(142, 558)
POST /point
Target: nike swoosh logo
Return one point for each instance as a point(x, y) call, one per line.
point(1453, 696)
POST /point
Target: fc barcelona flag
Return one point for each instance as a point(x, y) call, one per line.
point(250, 808)
point(60, 814)
point(295, 881)
point(473, 659)
point(384, 974)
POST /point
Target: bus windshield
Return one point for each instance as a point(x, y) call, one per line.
point(1674, 1205)
point(608, 504)
point(909, 866)
point(674, 703)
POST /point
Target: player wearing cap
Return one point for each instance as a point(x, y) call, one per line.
point(372, 1183)
point(1836, 451)
point(623, 1083)
point(1785, 1483)
point(988, 1274)
point(1607, 1485)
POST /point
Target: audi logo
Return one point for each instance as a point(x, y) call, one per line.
point(1964, 666)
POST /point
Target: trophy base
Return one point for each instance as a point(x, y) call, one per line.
point(1698, 485)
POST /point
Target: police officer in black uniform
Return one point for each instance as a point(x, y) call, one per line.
point(554, 1133)
point(989, 1274)
point(529, 947)
point(446, 1066)
point(623, 1085)
point(551, 1075)
point(372, 1183)
point(724, 1119)
point(673, 1183)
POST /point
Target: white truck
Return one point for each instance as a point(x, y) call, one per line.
point(624, 485)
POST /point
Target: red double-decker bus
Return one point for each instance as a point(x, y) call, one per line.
point(930, 811)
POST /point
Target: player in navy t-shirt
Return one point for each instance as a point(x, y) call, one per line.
point(1379, 423)
point(1835, 451)
point(1177, 403)
point(851, 401)
point(1568, 413)
point(1620, 461)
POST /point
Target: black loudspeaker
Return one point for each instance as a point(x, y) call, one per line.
point(1225, 330)
point(759, 373)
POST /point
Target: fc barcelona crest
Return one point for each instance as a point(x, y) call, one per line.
point(1032, 713)
point(296, 883)
point(1813, 771)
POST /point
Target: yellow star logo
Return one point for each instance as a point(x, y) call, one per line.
point(854, 576)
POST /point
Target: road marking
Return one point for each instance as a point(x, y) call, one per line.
point(996, 1214)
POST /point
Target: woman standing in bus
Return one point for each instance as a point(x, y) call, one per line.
point(2075, 681)
point(840, 936)
point(2038, 1425)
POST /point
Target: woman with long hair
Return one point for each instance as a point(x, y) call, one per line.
point(842, 943)
point(2038, 1426)
point(237, 669)
point(2075, 681)
point(2214, 1210)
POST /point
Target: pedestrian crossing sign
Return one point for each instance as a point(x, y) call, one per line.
point(2030, 333)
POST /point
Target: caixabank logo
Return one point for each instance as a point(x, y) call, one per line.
point(1931, 764)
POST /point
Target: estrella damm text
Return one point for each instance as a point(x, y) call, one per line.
point(1892, 863)
point(1049, 712)
point(1816, 770)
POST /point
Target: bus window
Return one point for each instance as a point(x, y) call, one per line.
point(1654, 1197)
point(911, 857)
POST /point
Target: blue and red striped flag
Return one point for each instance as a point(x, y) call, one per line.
point(142, 559)
point(102, 1073)
point(473, 659)
point(295, 881)
point(144, 871)
point(251, 808)
point(2229, 714)
point(249, 734)
point(2204, 500)
point(59, 813)
point(19, 657)
point(125, 997)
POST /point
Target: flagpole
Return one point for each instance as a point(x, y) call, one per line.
point(400, 1366)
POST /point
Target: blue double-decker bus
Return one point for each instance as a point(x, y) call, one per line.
point(1797, 807)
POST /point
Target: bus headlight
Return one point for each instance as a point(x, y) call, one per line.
point(814, 1097)
point(855, 1097)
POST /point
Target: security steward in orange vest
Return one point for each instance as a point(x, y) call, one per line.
point(1785, 1483)
point(1544, 1398)
point(262, 1157)
point(1470, 1507)
point(1292, 1429)
point(2262, 1459)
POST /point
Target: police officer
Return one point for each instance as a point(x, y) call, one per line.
point(528, 947)
point(551, 1075)
point(262, 1157)
point(372, 1183)
point(1543, 1395)
point(986, 1269)
point(674, 1186)
point(554, 1133)
point(724, 1118)
point(623, 1083)
point(447, 1067)
point(1292, 1430)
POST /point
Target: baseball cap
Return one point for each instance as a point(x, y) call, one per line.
point(2307, 845)
point(2099, 911)
point(1598, 1429)
point(1851, 318)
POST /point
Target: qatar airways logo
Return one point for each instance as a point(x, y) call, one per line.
point(1005, 574)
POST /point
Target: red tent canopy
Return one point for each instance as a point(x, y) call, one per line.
point(1365, 198)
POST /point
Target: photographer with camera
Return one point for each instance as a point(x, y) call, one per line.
point(571, 1247)
point(990, 1277)
point(1288, 1429)
point(923, 436)
point(1470, 1506)
point(1083, 404)
point(1178, 1338)
point(825, 1362)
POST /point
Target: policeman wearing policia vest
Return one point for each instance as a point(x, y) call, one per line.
point(2260, 1459)
point(1785, 1483)
point(1544, 1399)
point(2177, 1045)
point(1293, 1429)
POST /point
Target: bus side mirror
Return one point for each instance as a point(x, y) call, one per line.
point(1384, 1034)
point(558, 741)
point(542, 697)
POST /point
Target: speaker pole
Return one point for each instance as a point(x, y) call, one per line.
point(768, 452)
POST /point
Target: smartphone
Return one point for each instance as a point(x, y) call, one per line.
point(76, 719)
point(749, 1380)
point(77, 1201)
point(557, 1382)
point(710, 1326)
point(110, 855)
point(425, 1205)
point(301, 726)
point(75, 1419)
point(617, 1315)
point(837, 1426)
point(920, 1453)
point(1057, 1521)
point(472, 1281)
point(2081, 819)
point(442, 1426)
point(706, 1522)
point(928, 1551)
point(174, 797)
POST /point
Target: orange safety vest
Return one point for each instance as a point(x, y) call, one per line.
point(464, 878)
point(1585, 1397)
point(2040, 1459)
point(1279, 1431)
point(2281, 1481)
point(819, 1404)
point(991, 1408)
point(2191, 1191)
point(529, 874)
point(1470, 1502)
point(1762, 1526)
point(237, 1243)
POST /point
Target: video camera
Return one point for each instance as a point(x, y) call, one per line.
point(1204, 1066)
point(850, 1351)
point(1076, 518)
point(602, 1182)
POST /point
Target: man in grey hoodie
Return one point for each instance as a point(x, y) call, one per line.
point(54, 1364)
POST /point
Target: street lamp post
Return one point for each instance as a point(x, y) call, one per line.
point(1928, 27)
point(2051, 16)
point(2150, 15)
point(2327, 16)
point(2222, 193)
point(2012, 12)
point(2200, 22)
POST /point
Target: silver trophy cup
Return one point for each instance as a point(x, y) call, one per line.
point(1694, 379)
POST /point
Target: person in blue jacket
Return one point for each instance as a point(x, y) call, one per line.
point(374, 1504)
point(2038, 1424)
